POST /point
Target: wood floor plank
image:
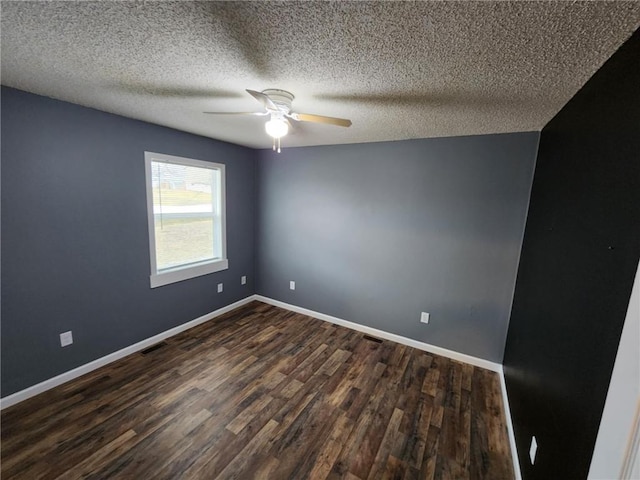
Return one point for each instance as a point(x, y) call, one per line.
point(265, 393)
point(379, 422)
point(386, 444)
point(430, 456)
point(327, 456)
point(234, 469)
point(98, 458)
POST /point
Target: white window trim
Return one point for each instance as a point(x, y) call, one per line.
point(186, 272)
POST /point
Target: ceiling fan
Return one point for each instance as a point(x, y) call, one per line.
point(277, 104)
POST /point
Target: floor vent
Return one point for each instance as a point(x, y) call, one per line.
point(373, 339)
point(153, 348)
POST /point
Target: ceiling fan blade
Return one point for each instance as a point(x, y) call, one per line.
point(307, 117)
point(263, 99)
point(238, 113)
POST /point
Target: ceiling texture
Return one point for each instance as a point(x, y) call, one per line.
point(398, 70)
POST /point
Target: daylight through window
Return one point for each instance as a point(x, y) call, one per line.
point(186, 217)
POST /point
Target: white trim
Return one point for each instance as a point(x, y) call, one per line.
point(185, 272)
point(618, 437)
point(89, 367)
point(512, 435)
point(462, 357)
point(630, 462)
point(475, 361)
point(112, 357)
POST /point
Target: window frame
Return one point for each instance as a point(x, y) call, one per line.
point(191, 270)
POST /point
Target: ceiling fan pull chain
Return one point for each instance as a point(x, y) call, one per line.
point(274, 144)
point(278, 144)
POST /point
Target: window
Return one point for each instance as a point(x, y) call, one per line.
point(186, 210)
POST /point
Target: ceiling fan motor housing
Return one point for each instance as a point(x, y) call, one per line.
point(281, 98)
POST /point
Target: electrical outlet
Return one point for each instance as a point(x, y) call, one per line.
point(533, 449)
point(243, 280)
point(292, 285)
point(424, 317)
point(219, 288)
point(66, 338)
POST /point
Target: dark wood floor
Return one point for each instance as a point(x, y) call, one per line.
point(267, 394)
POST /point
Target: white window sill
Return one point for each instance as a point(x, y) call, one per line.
point(180, 274)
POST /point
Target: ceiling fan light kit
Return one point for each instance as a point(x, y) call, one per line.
point(276, 128)
point(277, 104)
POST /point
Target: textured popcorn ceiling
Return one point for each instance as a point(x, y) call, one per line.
point(398, 70)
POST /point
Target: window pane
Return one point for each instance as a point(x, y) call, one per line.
point(184, 205)
point(181, 241)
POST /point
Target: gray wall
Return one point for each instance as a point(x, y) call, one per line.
point(372, 233)
point(377, 233)
point(75, 251)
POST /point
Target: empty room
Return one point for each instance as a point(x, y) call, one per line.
point(320, 240)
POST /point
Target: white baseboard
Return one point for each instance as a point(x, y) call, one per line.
point(475, 361)
point(512, 435)
point(462, 357)
point(100, 362)
point(112, 357)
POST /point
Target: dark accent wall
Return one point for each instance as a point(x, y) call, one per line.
point(578, 262)
point(75, 245)
point(377, 233)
